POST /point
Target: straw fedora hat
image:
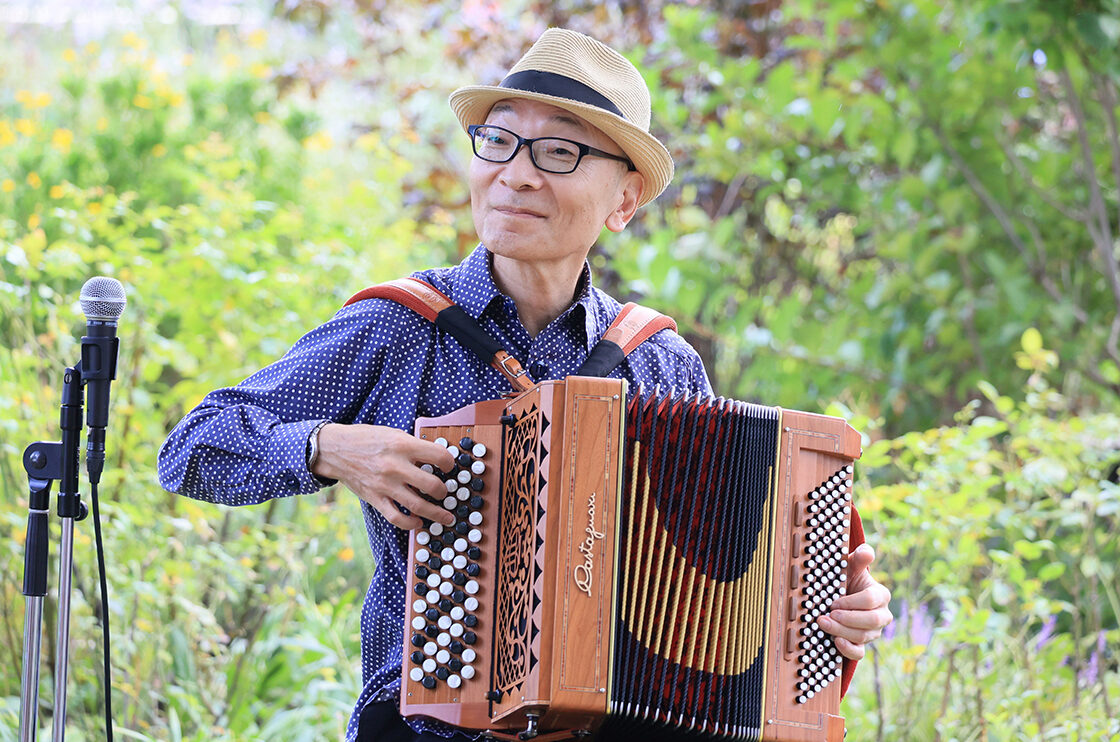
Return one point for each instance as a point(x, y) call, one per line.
point(593, 81)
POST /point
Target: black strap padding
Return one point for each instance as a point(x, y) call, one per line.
point(602, 359)
point(465, 328)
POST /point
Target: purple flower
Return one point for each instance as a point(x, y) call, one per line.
point(1046, 633)
point(921, 625)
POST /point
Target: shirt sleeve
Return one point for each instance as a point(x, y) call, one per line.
point(248, 443)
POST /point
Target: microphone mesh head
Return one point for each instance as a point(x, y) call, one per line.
point(102, 298)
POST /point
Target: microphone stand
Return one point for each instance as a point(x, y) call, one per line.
point(45, 462)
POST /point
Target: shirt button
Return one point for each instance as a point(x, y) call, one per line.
point(538, 371)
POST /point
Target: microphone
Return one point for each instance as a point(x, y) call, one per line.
point(102, 301)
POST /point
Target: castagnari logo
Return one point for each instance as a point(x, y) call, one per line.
point(583, 573)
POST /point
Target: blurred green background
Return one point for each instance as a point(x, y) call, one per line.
point(905, 213)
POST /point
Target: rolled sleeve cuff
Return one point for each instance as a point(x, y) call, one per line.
point(288, 450)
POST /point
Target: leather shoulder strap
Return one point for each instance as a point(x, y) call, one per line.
point(434, 306)
point(633, 326)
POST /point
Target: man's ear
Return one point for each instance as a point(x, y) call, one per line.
point(630, 190)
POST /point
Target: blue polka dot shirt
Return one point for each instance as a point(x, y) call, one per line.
point(377, 362)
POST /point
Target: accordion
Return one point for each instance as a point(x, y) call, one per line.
point(631, 565)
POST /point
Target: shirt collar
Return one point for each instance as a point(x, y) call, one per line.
point(476, 292)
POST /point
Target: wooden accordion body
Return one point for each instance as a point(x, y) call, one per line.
point(645, 566)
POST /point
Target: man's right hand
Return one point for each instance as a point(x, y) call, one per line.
point(381, 465)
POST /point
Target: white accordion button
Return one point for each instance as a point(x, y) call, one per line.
point(475, 518)
point(443, 656)
point(474, 536)
point(457, 613)
point(434, 580)
point(453, 681)
point(471, 587)
point(463, 494)
point(446, 571)
point(451, 485)
point(432, 597)
point(459, 561)
point(443, 639)
point(461, 544)
point(423, 555)
point(423, 537)
point(416, 674)
point(449, 502)
point(453, 450)
point(456, 629)
point(467, 672)
point(464, 477)
point(430, 648)
point(441, 441)
point(471, 604)
point(429, 665)
point(469, 656)
point(478, 467)
point(419, 606)
point(479, 450)
point(418, 623)
point(427, 468)
point(447, 554)
point(436, 529)
point(445, 588)
point(445, 623)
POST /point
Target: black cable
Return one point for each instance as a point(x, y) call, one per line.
point(104, 613)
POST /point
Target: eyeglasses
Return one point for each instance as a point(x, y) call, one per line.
point(551, 154)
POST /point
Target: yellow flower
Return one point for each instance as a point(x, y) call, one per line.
point(93, 47)
point(69, 55)
point(102, 124)
point(62, 139)
point(141, 101)
point(23, 97)
point(175, 99)
point(33, 222)
point(8, 185)
point(260, 71)
point(159, 150)
point(258, 38)
point(188, 59)
point(245, 562)
point(320, 141)
point(42, 100)
point(132, 41)
point(262, 117)
point(56, 191)
point(231, 61)
point(94, 208)
point(25, 127)
point(34, 180)
point(346, 554)
point(7, 136)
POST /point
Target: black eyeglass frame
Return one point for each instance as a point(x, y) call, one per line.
point(584, 149)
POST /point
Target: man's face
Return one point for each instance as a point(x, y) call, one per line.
point(523, 213)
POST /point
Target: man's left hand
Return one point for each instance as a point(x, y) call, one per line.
point(861, 615)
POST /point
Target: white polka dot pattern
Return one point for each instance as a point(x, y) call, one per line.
point(379, 363)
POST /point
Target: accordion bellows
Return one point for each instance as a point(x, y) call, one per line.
point(648, 565)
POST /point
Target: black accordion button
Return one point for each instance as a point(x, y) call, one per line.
point(455, 664)
point(418, 640)
point(428, 682)
point(448, 538)
point(470, 620)
point(464, 460)
point(432, 614)
point(421, 571)
point(435, 562)
point(469, 637)
point(420, 588)
point(474, 553)
point(459, 579)
point(466, 443)
point(455, 647)
point(473, 569)
point(432, 630)
point(476, 502)
point(445, 605)
point(442, 673)
point(458, 596)
point(463, 510)
point(417, 657)
point(462, 528)
point(477, 484)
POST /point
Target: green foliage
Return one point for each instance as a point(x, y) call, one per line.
point(999, 534)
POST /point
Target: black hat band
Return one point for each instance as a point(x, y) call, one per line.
point(559, 86)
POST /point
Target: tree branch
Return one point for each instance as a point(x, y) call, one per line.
point(1047, 197)
point(1109, 102)
point(1096, 200)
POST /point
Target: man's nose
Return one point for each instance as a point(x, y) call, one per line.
point(520, 172)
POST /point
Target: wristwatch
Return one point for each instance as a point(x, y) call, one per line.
point(313, 445)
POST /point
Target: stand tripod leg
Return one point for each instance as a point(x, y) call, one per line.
point(32, 640)
point(62, 667)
